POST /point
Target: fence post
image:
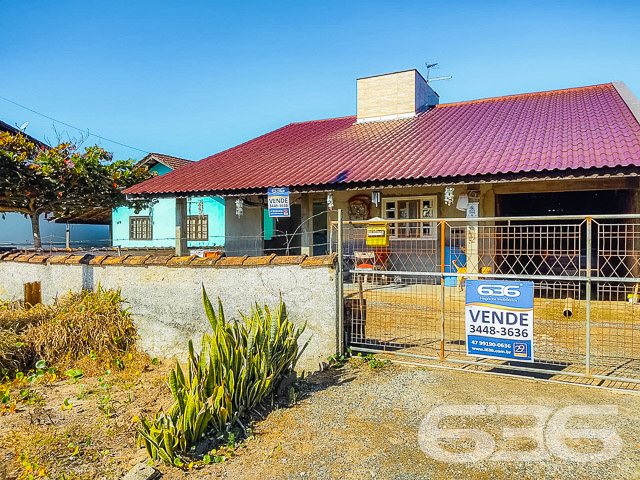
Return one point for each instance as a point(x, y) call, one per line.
point(588, 294)
point(340, 278)
point(32, 294)
point(442, 270)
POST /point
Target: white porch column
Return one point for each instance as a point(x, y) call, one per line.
point(306, 228)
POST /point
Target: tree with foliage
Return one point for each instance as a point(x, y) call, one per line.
point(62, 180)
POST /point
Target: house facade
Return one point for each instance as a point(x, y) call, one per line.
point(406, 156)
point(155, 227)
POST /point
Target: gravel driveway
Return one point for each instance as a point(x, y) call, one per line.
point(363, 423)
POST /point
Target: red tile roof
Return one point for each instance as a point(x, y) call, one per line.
point(578, 128)
point(167, 160)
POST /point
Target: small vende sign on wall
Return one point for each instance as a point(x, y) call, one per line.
point(278, 202)
point(499, 319)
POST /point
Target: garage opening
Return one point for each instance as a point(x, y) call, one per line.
point(563, 252)
point(595, 202)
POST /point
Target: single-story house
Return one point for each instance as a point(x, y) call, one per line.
point(404, 155)
point(155, 227)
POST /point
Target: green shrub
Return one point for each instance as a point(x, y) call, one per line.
point(239, 365)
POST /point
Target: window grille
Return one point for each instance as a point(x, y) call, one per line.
point(140, 228)
point(197, 227)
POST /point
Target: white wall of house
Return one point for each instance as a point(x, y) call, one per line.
point(15, 231)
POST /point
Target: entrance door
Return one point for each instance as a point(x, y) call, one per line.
point(284, 240)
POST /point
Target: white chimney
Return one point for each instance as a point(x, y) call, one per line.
point(393, 96)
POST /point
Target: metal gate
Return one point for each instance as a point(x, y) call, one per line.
point(408, 298)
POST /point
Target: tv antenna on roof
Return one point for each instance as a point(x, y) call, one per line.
point(429, 67)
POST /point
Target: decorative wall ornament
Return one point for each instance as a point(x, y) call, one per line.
point(448, 196)
point(359, 207)
point(474, 195)
point(239, 207)
point(376, 197)
point(330, 200)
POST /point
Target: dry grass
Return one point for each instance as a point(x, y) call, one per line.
point(85, 441)
point(13, 316)
point(71, 429)
point(78, 325)
point(81, 324)
point(11, 354)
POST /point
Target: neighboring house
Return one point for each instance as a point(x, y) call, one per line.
point(15, 229)
point(156, 226)
point(561, 152)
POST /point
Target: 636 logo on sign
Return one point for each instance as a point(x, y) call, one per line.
point(549, 432)
point(499, 290)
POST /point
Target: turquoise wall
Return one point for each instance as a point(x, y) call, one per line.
point(160, 169)
point(163, 218)
point(214, 207)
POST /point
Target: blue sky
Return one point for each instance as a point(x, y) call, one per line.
point(195, 77)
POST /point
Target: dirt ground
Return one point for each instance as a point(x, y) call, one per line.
point(354, 422)
point(82, 428)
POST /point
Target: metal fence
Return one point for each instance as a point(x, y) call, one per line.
point(409, 297)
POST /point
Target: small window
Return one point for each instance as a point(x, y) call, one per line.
point(198, 227)
point(140, 228)
point(409, 208)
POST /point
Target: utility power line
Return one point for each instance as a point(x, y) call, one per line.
point(72, 126)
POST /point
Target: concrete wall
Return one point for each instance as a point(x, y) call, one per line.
point(166, 300)
point(244, 235)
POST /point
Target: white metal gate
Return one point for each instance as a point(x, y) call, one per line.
point(408, 298)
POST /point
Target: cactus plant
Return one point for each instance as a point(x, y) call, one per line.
point(239, 365)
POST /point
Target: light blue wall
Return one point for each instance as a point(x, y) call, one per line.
point(214, 208)
point(163, 218)
point(160, 169)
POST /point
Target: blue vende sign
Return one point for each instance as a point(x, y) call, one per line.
point(499, 319)
point(278, 202)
